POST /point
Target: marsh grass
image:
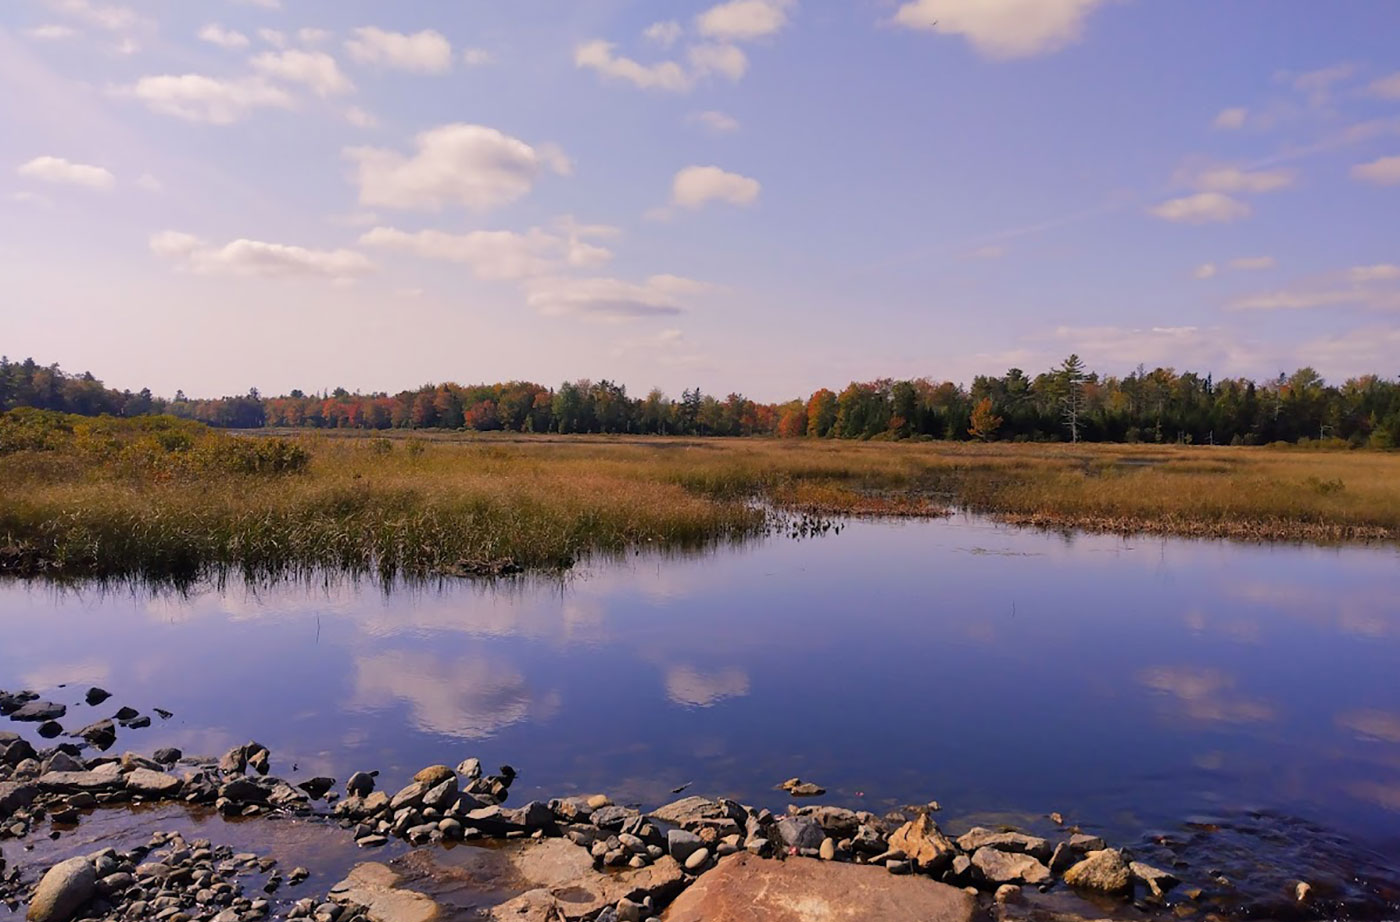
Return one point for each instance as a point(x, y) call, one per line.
point(423, 506)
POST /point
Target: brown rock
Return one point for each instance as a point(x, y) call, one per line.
point(1001, 867)
point(922, 842)
point(433, 775)
point(745, 887)
point(375, 886)
point(559, 897)
point(977, 837)
point(1103, 870)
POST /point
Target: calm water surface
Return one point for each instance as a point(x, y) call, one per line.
point(1129, 684)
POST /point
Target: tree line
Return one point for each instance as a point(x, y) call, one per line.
point(1065, 403)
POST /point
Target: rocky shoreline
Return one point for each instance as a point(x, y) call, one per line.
point(571, 858)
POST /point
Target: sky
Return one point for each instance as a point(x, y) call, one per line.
point(761, 196)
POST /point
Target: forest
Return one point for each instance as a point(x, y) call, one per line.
point(1067, 403)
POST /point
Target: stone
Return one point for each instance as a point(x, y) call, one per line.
point(126, 713)
point(1157, 881)
point(50, 729)
point(63, 762)
point(923, 843)
point(152, 784)
point(434, 775)
point(243, 790)
point(93, 782)
point(745, 887)
point(978, 838)
point(1008, 893)
point(101, 734)
point(1086, 843)
point(1103, 870)
point(697, 860)
point(837, 822)
point(599, 801)
point(612, 816)
point(799, 788)
point(799, 832)
point(235, 761)
point(167, 755)
point(375, 887)
point(408, 796)
point(681, 843)
point(1001, 867)
point(16, 796)
point(1303, 892)
point(63, 891)
point(1064, 857)
point(317, 787)
point(586, 894)
point(360, 784)
point(96, 696)
point(694, 813)
point(827, 852)
point(39, 711)
point(16, 751)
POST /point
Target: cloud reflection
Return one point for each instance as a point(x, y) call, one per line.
point(1205, 694)
point(688, 686)
point(1370, 724)
point(471, 699)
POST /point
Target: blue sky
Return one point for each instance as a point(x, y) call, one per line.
point(756, 195)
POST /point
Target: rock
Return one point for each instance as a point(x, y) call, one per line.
point(167, 755)
point(1303, 892)
point(899, 866)
point(16, 796)
point(16, 751)
point(137, 723)
point(827, 851)
point(39, 711)
point(800, 832)
point(126, 713)
point(837, 822)
point(63, 762)
point(923, 843)
point(596, 802)
point(317, 787)
point(695, 813)
point(235, 761)
point(582, 893)
point(680, 844)
point(50, 729)
point(152, 784)
point(434, 775)
point(978, 838)
point(1157, 881)
point(1001, 867)
point(1008, 893)
point(243, 791)
point(744, 887)
point(375, 887)
point(1086, 843)
point(1064, 857)
point(444, 794)
point(93, 782)
point(101, 734)
point(360, 784)
point(62, 891)
point(408, 796)
point(613, 817)
point(697, 860)
point(1103, 870)
point(96, 696)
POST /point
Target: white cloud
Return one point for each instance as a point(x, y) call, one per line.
point(274, 37)
point(664, 34)
point(50, 32)
point(469, 165)
point(425, 52)
point(64, 172)
point(1252, 263)
point(265, 4)
point(726, 60)
point(743, 20)
point(316, 69)
point(1318, 83)
point(216, 34)
point(112, 18)
point(494, 255)
point(1382, 272)
point(1002, 28)
point(1387, 87)
point(694, 186)
point(1307, 299)
point(360, 118)
point(198, 98)
point(477, 57)
point(1206, 271)
point(664, 75)
point(1354, 352)
point(1231, 119)
point(1201, 208)
point(1234, 179)
point(609, 298)
point(257, 258)
point(310, 36)
point(1384, 171)
point(715, 121)
point(150, 183)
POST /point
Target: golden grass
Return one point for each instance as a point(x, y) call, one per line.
point(472, 503)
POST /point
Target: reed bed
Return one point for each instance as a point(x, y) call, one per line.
point(472, 504)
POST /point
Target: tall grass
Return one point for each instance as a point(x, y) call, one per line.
point(472, 504)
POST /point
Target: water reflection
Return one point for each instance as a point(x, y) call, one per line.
point(1120, 682)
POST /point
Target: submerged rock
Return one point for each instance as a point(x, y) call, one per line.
point(96, 695)
point(1156, 880)
point(39, 711)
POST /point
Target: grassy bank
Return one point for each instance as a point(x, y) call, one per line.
point(472, 504)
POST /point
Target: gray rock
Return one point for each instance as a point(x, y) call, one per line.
point(63, 891)
point(1001, 867)
point(16, 796)
point(1103, 870)
point(97, 695)
point(693, 813)
point(800, 832)
point(1086, 843)
point(978, 838)
point(101, 734)
point(681, 844)
point(167, 755)
point(360, 784)
point(62, 762)
point(409, 796)
point(235, 761)
point(92, 782)
point(39, 711)
point(149, 783)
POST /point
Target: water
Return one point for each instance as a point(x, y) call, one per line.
point(1129, 684)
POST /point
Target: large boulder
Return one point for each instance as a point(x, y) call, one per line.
point(923, 843)
point(800, 832)
point(63, 891)
point(560, 897)
point(376, 887)
point(1103, 870)
point(16, 796)
point(1001, 867)
point(745, 887)
point(695, 813)
point(39, 711)
point(93, 782)
point(977, 837)
point(150, 783)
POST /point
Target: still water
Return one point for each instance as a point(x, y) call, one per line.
point(1130, 684)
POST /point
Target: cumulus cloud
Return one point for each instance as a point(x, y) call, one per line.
point(51, 32)
point(425, 52)
point(495, 255)
point(714, 121)
point(473, 166)
point(743, 20)
point(103, 16)
point(311, 36)
point(200, 98)
point(469, 699)
point(265, 4)
point(694, 186)
point(1231, 119)
point(610, 298)
point(1206, 271)
point(216, 34)
point(65, 172)
point(273, 37)
point(477, 57)
point(664, 34)
point(1234, 179)
point(317, 70)
point(1382, 272)
point(1201, 208)
point(360, 118)
point(725, 60)
point(1002, 28)
point(1384, 171)
point(258, 258)
point(664, 75)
